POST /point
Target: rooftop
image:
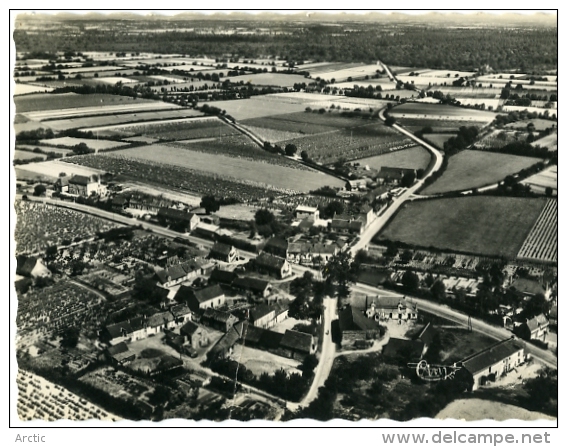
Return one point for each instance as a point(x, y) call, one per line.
point(492, 355)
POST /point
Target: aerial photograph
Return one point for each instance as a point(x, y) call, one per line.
point(267, 216)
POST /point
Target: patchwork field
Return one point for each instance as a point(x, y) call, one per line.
point(25, 155)
point(92, 144)
point(469, 92)
point(541, 243)
point(58, 101)
point(489, 226)
point(549, 141)
point(57, 150)
point(266, 174)
point(473, 169)
point(257, 107)
point(413, 158)
point(441, 111)
point(539, 124)
point(438, 125)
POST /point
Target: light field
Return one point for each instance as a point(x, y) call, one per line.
point(543, 179)
point(92, 144)
point(473, 169)
point(50, 170)
point(421, 110)
point(257, 107)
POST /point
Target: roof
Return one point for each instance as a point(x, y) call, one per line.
point(183, 294)
point(537, 322)
point(389, 172)
point(277, 243)
point(306, 223)
point(261, 311)
point(118, 329)
point(225, 342)
point(261, 337)
point(159, 319)
point(189, 328)
point(223, 276)
point(527, 286)
point(298, 247)
point(355, 225)
point(391, 302)
point(63, 181)
point(217, 315)
point(80, 180)
point(180, 310)
point(221, 249)
point(117, 349)
point(351, 319)
point(176, 272)
point(493, 354)
point(340, 223)
point(208, 293)
point(119, 200)
point(396, 345)
point(25, 265)
point(329, 249)
point(269, 261)
point(137, 323)
point(298, 341)
point(257, 285)
point(172, 213)
point(305, 209)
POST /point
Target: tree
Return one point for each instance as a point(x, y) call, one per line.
point(334, 207)
point(549, 191)
point(264, 217)
point(69, 337)
point(410, 280)
point(304, 156)
point(438, 291)
point(408, 179)
point(81, 149)
point(210, 204)
point(39, 190)
point(290, 150)
point(341, 270)
point(536, 305)
point(390, 121)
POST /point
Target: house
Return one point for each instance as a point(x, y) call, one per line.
point(404, 350)
point(297, 345)
point(299, 253)
point(259, 338)
point(277, 247)
point(258, 287)
point(138, 329)
point(117, 332)
point(197, 300)
point(535, 328)
point(527, 287)
point(120, 202)
point(196, 335)
point(273, 265)
point(61, 185)
point(216, 319)
point(224, 346)
point(160, 322)
point(84, 186)
point(343, 224)
point(356, 185)
point(489, 364)
point(119, 354)
point(353, 326)
point(322, 253)
point(207, 230)
point(180, 220)
point(32, 267)
point(172, 276)
point(181, 313)
point(367, 213)
point(281, 311)
point(393, 175)
point(302, 212)
point(263, 316)
point(223, 277)
point(305, 225)
point(223, 252)
point(391, 308)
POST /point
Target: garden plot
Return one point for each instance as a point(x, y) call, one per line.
point(472, 169)
point(91, 143)
point(489, 226)
point(354, 72)
point(441, 112)
point(470, 92)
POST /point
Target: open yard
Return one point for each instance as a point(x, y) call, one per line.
point(473, 169)
point(243, 170)
point(490, 226)
point(259, 361)
point(413, 158)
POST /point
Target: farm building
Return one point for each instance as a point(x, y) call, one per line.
point(196, 335)
point(180, 220)
point(222, 321)
point(297, 345)
point(32, 267)
point(209, 297)
point(84, 186)
point(120, 203)
point(527, 287)
point(258, 287)
point(391, 308)
point(224, 346)
point(535, 328)
point(303, 212)
point(489, 364)
point(119, 354)
point(160, 322)
point(393, 176)
point(277, 247)
point(181, 313)
point(223, 252)
point(172, 276)
point(342, 224)
point(222, 277)
point(356, 185)
point(272, 265)
point(263, 316)
point(353, 326)
point(207, 230)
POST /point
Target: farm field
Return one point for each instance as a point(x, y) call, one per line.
point(57, 150)
point(25, 155)
point(438, 125)
point(91, 143)
point(43, 400)
point(274, 79)
point(384, 83)
point(354, 72)
point(500, 138)
point(489, 104)
point(257, 107)
point(280, 177)
point(413, 158)
point(49, 170)
point(541, 243)
point(58, 101)
point(552, 113)
point(469, 92)
point(543, 179)
point(550, 142)
point(272, 135)
point(538, 123)
point(317, 68)
point(100, 110)
point(438, 139)
point(428, 111)
point(473, 169)
point(25, 89)
point(489, 226)
point(111, 80)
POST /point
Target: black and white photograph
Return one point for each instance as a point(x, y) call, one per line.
point(265, 217)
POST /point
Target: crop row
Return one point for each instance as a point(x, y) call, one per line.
point(541, 243)
point(181, 130)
